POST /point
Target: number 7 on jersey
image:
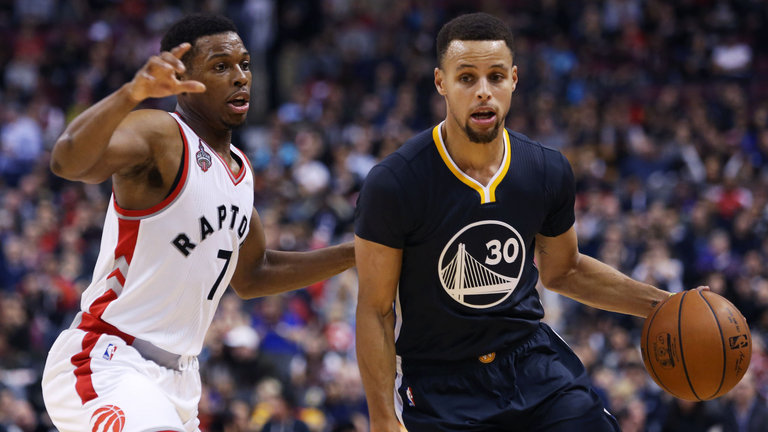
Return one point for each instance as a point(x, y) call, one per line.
point(225, 255)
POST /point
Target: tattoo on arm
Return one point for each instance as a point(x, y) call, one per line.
point(655, 303)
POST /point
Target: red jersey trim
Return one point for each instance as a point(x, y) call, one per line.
point(244, 157)
point(236, 179)
point(94, 328)
point(119, 275)
point(171, 197)
point(93, 324)
point(100, 304)
point(82, 363)
point(128, 234)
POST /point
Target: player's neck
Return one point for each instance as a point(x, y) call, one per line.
point(480, 161)
point(218, 139)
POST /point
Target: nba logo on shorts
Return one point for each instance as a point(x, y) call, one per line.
point(108, 418)
point(409, 394)
point(109, 352)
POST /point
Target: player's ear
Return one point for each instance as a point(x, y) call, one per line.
point(514, 78)
point(440, 81)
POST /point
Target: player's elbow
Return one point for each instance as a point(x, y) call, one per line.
point(57, 164)
point(57, 168)
point(560, 280)
point(251, 281)
point(552, 283)
point(559, 273)
point(245, 289)
point(242, 293)
point(63, 167)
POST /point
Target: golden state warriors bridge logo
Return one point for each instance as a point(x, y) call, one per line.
point(481, 265)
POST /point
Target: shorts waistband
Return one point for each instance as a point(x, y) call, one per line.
point(91, 323)
point(436, 366)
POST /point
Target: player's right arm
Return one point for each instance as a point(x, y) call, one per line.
point(108, 138)
point(378, 268)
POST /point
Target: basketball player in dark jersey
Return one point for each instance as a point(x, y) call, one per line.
point(447, 230)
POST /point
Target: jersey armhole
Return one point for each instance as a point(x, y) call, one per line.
point(173, 193)
point(180, 171)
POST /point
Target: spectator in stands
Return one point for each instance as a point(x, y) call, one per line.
point(689, 79)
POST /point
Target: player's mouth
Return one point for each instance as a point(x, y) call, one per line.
point(484, 116)
point(239, 102)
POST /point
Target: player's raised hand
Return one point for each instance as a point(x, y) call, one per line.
point(158, 77)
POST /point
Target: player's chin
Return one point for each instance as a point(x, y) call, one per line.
point(482, 136)
point(234, 121)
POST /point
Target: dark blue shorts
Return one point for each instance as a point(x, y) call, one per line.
point(540, 385)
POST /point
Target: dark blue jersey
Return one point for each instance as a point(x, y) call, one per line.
point(467, 285)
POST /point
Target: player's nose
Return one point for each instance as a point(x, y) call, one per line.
point(240, 77)
point(483, 91)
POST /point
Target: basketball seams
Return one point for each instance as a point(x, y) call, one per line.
point(722, 339)
point(667, 325)
point(680, 343)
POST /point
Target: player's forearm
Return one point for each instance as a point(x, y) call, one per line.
point(83, 142)
point(599, 285)
point(286, 271)
point(376, 359)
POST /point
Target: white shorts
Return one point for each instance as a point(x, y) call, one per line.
point(109, 386)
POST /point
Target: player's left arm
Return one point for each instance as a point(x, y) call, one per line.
point(262, 272)
point(563, 269)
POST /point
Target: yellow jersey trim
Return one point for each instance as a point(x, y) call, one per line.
point(487, 193)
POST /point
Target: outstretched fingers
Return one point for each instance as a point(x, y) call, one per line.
point(190, 86)
point(173, 59)
point(174, 62)
point(177, 53)
point(160, 76)
point(181, 49)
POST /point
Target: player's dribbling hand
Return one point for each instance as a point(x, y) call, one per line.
point(158, 77)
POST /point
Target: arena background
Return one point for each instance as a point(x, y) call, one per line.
point(661, 107)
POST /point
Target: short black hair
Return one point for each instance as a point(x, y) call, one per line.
point(478, 26)
point(192, 27)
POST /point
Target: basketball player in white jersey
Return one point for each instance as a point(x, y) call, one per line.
point(180, 228)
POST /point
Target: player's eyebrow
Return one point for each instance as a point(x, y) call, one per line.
point(226, 54)
point(471, 66)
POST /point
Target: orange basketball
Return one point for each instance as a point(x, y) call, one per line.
point(696, 345)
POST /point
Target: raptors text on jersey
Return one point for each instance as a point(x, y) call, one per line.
point(161, 271)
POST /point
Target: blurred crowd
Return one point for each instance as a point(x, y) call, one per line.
point(661, 107)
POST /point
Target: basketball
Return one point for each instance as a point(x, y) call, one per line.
point(696, 345)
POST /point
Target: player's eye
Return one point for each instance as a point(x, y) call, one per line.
point(466, 78)
point(220, 67)
point(246, 65)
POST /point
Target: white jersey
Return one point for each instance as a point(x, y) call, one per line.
point(161, 271)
